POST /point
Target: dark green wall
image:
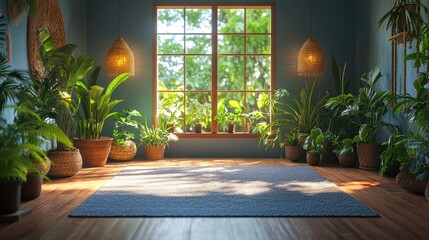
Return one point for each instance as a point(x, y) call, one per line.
point(374, 49)
point(333, 26)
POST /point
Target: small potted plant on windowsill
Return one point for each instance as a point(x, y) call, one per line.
point(123, 148)
point(154, 139)
point(198, 114)
point(314, 145)
point(229, 117)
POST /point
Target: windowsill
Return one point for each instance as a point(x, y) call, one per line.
point(217, 135)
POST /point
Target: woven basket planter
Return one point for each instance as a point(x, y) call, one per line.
point(408, 181)
point(65, 163)
point(154, 152)
point(94, 151)
point(294, 153)
point(124, 152)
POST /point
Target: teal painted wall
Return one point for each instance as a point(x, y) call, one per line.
point(374, 49)
point(333, 24)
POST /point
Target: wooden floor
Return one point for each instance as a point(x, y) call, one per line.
point(403, 215)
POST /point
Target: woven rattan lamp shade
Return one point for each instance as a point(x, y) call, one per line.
point(311, 59)
point(120, 59)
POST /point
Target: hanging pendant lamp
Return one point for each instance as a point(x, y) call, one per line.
point(120, 58)
point(311, 61)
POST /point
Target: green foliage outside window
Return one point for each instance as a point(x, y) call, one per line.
point(184, 47)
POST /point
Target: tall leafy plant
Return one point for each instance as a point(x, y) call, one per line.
point(96, 104)
point(300, 112)
point(53, 87)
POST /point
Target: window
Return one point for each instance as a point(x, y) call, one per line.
point(212, 59)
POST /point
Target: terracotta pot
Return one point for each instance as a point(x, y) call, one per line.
point(31, 188)
point(427, 192)
point(408, 181)
point(10, 196)
point(313, 159)
point(198, 128)
point(347, 160)
point(231, 128)
point(294, 153)
point(369, 155)
point(65, 163)
point(94, 151)
point(124, 152)
point(154, 152)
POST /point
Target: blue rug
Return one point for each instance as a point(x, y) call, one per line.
point(220, 192)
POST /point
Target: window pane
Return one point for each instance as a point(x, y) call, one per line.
point(170, 72)
point(258, 44)
point(198, 110)
point(225, 97)
point(170, 44)
point(230, 44)
point(258, 20)
point(170, 21)
point(171, 109)
point(198, 72)
point(258, 72)
point(198, 44)
point(231, 73)
point(257, 101)
point(198, 21)
point(231, 20)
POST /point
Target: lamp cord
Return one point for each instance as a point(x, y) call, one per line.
point(119, 17)
point(310, 19)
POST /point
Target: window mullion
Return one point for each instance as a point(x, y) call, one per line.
point(214, 67)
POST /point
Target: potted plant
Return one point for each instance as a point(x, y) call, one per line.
point(21, 151)
point(96, 106)
point(314, 145)
point(51, 90)
point(258, 116)
point(395, 152)
point(198, 114)
point(293, 148)
point(346, 152)
point(229, 116)
point(299, 112)
point(123, 148)
point(170, 109)
point(404, 18)
point(366, 110)
point(154, 139)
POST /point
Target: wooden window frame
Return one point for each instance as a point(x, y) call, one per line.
point(214, 35)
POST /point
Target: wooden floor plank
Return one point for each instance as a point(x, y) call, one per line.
point(403, 215)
